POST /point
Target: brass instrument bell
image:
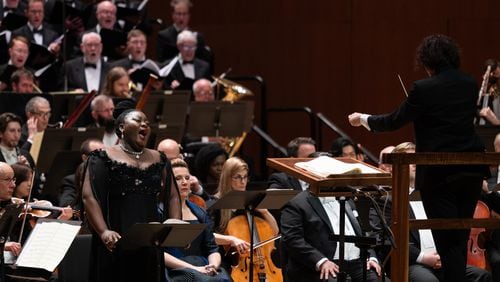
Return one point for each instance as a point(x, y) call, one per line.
point(234, 90)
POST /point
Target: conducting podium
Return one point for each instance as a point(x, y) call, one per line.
point(250, 201)
point(340, 178)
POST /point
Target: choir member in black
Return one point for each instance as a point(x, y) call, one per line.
point(126, 184)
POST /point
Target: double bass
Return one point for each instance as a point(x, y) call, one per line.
point(263, 266)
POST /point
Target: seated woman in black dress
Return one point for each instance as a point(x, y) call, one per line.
point(201, 260)
point(123, 185)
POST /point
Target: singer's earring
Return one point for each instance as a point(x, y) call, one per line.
point(121, 134)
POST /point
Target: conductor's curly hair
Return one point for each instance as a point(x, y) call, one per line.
point(437, 52)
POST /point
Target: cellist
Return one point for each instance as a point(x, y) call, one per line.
point(234, 176)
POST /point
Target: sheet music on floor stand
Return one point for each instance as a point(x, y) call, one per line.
point(46, 246)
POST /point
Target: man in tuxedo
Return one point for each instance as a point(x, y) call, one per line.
point(11, 6)
point(35, 31)
point(442, 109)
point(10, 134)
point(167, 38)
point(136, 49)
point(425, 262)
point(88, 72)
point(300, 147)
point(186, 68)
point(18, 54)
point(307, 222)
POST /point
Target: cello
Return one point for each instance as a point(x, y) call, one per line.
point(263, 266)
point(475, 252)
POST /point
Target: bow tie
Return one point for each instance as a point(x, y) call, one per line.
point(187, 62)
point(134, 62)
point(90, 65)
point(39, 31)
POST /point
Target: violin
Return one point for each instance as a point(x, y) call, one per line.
point(263, 266)
point(197, 200)
point(475, 252)
point(41, 208)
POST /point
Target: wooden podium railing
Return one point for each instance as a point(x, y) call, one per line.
point(400, 183)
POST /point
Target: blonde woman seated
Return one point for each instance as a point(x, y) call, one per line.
point(201, 260)
point(117, 83)
point(234, 176)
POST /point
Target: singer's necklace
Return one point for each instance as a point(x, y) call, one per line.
point(136, 154)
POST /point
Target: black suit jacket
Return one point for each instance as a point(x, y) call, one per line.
point(75, 72)
point(442, 109)
point(19, 10)
point(305, 229)
point(283, 180)
point(48, 35)
point(201, 70)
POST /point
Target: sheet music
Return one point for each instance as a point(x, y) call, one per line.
point(47, 244)
point(326, 167)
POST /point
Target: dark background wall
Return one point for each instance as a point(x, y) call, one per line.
point(337, 56)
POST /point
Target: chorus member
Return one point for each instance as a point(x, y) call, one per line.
point(234, 176)
point(18, 54)
point(186, 67)
point(167, 38)
point(117, 83)
point(201, 260)
point(123, 185)
point(87, 72)
point(11, 6)
point(442, 109)
point(35, 30)
point(10, 134)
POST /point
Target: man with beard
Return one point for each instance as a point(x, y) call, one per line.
point(102, 108)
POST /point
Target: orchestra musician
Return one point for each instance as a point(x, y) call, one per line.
point(201, 260)
point(234, 176)
point(10, 134)
point(126, 184)
point(442, 109)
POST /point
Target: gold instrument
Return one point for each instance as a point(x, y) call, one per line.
point(234, 92)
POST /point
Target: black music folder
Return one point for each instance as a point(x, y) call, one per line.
point(160, 235)
point(112, 41)
point(13, 21)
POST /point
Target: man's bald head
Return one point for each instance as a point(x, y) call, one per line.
point(170, 148)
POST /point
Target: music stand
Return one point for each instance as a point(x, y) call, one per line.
point(162, 131)
point(61, 139)
point(160, 235)
point(56, 172)
point(167, 107)
point(252, 200)
point(220, 118)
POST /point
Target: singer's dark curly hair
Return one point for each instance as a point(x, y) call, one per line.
point(437, 52)
point(7, 118)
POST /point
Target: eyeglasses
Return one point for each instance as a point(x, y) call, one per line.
point(13, 180)
point(43, 114)
point(240, 177)
point(188, 48)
